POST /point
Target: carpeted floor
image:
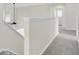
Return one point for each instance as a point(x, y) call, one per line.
point(63, 44)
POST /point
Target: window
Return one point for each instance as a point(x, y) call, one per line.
point(58, 12)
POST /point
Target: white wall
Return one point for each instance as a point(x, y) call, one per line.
point(8, 38)
point(70, 16)
point(47, 10)
point(40, 34)
point(32, 11)
point(19, 5)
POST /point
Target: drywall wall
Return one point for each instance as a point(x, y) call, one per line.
point(11, 40)
point(70, 16)
point(53, 11)
point(41, 32)
point(32, 11)
point(8, 38)
point(18, 5)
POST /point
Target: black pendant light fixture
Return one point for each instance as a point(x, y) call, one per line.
point(14, 21)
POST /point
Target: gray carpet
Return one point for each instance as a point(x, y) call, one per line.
point(63, 45)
